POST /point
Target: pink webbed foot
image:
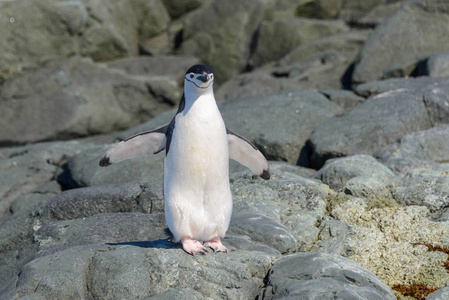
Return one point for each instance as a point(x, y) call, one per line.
point(216, 245)
point(192, 246)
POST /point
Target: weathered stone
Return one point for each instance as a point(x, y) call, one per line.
point(176, 8)
point(259, 118)
point(24, 169)
point(389, 242)
point(110, 272)
point(344, 98)
point(83, 169)
point(437, 65)
point(416, 150)
point(324, 276)
point(173, 67)
point(338, 171)
point(425, 188)
point(225, 42)
point(412, 31)
point(77, 98)
point(278, 37)
point(375, 123)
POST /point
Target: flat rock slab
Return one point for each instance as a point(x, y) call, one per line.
point(325, 276)
point(123, 271)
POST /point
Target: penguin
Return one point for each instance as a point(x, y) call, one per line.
point(198, 145)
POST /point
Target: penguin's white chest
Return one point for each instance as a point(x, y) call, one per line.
point(196, 175)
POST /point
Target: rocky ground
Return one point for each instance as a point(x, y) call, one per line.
point(347, 99)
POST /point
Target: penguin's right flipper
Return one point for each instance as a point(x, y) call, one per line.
point(242, 151)
point(147, 142)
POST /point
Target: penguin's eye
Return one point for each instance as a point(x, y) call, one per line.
point(211, 76)
point(191, 76)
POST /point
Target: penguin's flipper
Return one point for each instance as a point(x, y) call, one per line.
point(147, 142)
point(245, 153)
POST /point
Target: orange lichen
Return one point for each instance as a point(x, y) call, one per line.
point(417, 290)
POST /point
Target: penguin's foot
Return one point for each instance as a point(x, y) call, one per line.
point(193, 246)
point(216, 245)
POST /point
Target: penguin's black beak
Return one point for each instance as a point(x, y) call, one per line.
point(203, 78)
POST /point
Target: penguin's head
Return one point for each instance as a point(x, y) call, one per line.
point(198, 79)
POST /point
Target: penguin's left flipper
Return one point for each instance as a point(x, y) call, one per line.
point(147, 142)
point(245, 153)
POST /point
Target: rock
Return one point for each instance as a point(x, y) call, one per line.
point(425, 188)
point(49, 27)
point(225, 42)
point(441, 294)
point(259, 82)
point(338, 171)
point(416, 150)
point(312, 275)
point(375, 123)
point(152, 18)
point(287, 218)
point(83, 170)
point(437, 65)
point(77, 98)
point(110, 272)
point(373, 190)
point(347, 44)
point(413, 30)
point(297, 113)
point(170, 66)
point(177, 8)
point(378, 14)
point(273, 34)
point(390, 241)
point(343, 98)
point(111, 31)
point(26, 170)
point(109, 228)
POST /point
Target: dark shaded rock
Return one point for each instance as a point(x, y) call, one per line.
point(313, 275)
point(77, 98)
point(338, 171)
point(375, 123)
point(176, 7)
point(413, 30)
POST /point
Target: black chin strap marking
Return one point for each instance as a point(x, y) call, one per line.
point(200, 87)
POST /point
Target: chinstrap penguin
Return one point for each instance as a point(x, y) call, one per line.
point(198, 199)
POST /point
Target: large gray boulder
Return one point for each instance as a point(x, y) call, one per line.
point(398, 107)
point(77, 97)
point(337, 172)
point(316, 275)
point(416, 150)
point(418, 27)
point(278, 124)
point(428, 187)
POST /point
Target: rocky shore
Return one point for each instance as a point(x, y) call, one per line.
point(349, 101)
